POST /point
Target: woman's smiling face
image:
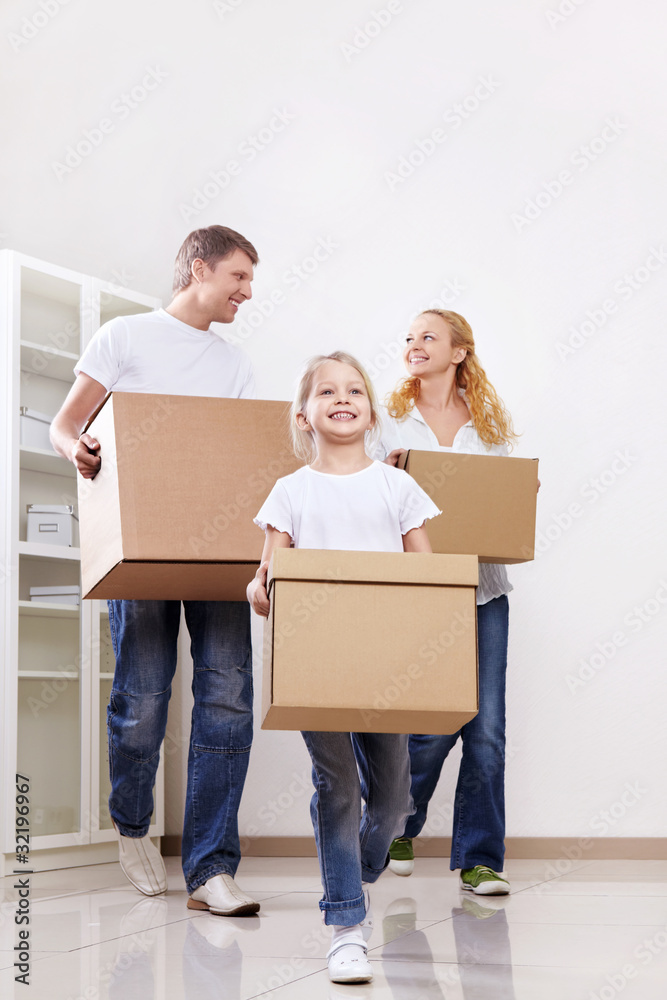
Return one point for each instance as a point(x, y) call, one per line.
point(428, 346)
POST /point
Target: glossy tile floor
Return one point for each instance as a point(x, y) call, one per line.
point(587, 930)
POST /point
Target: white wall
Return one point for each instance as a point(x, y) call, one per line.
point(548, 85)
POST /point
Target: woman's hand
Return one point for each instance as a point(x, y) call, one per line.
point(256, 592)
point(393, 456)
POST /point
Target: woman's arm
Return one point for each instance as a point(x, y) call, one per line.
point(256, 590)
point(416, 540)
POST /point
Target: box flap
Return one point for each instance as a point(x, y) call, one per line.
point(94, 413)
point(373, 567)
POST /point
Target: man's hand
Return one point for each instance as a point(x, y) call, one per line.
point(393, 456)
point(256, 592)
point(84, 456)
point(82, 400)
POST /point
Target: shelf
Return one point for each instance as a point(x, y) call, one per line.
point(49, 281)
point(52, 362)
point(37, 550)
point(106, 677)
point(41, 460)
point(40, 675)
point(41, 609)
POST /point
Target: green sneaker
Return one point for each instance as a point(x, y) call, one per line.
point(484, 881)
point(401, 856)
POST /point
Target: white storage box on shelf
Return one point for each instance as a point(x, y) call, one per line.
point(34, 429)
point(56, 595)
point(50, 523)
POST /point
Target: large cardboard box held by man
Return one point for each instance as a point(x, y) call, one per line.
point(488, 503)
point(169, 515)
point(375, 642)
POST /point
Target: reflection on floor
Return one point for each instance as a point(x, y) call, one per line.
point(593, 930)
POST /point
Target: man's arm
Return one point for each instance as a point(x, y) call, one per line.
point(82, 400)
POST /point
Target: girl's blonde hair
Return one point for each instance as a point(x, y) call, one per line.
point(491, 420)
point(302, 441)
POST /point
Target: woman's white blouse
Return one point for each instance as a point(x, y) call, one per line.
point(414, 433)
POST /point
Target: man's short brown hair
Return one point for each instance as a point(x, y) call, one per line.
point(210, 245)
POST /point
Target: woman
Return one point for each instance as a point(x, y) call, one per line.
point(447, 404)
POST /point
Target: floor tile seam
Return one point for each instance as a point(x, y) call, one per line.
point(533, 885)
point(276, 990)
point(612, 895)
point(417, 930)
point(60, 895)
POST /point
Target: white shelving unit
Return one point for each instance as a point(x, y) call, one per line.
point(57, 659)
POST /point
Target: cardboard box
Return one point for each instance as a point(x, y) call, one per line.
point(488, 503)
point(50, 523)
point(375, 642)
point(169, 516)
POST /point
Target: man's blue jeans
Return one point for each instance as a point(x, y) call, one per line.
point(347, 767)
point(144, 635)
point(478, 836)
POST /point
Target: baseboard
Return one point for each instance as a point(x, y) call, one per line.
point(42, 860)
point(548, 848)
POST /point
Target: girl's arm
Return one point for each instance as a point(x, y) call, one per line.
point(256, 590)
point(417, 540)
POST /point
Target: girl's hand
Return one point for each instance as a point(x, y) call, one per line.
point(256, 592)
point(393, 456)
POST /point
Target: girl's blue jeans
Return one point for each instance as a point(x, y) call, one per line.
point(346, 768)
point(144, 635)
point(478, 835)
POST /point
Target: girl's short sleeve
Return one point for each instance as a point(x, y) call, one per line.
point(416, 506)
point(276, 511)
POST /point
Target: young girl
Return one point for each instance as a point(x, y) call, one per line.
point(344, 500)
point(448, 404)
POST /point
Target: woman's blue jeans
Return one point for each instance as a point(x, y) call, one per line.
point(478, 835)
point(346, 768)
point(144, 635)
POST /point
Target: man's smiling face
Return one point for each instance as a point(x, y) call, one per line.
point(226, 285)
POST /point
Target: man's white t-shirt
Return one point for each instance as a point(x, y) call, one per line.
point(367, 511)
point(414, 433)
point(155, 352)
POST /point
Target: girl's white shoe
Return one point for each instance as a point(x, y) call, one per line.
point(347, 956)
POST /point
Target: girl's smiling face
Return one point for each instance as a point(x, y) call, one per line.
point(338, 407)
point(428, 346)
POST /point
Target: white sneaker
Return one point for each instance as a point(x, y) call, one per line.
point(142, 864)
point(222, 896)
point(347, 957)
point(401, 856)
point(404, 868)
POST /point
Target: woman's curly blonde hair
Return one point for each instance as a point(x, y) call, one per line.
point(491, 420)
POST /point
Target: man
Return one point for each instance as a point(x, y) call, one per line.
point(173, 351)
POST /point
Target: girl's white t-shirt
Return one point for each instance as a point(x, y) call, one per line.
point(367, 511)
point(155, 352)
point(414, 433)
